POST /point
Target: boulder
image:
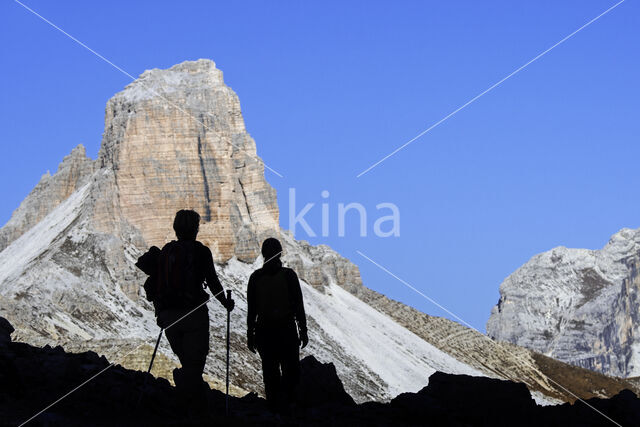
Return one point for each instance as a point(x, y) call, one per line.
point(5, 331)
point(320, 385)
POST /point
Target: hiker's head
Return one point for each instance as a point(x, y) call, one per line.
point(271, 249)
point(186, 224)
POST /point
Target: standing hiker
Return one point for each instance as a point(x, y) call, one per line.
point(176, 288)
point(276, 326)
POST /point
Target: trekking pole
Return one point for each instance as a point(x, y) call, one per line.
point(226, 403)
point(155, 350)
point(146, 378)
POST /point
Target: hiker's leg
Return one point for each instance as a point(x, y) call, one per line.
point(175, 333)
point(175, 336)
point(195, 350)
point(270, 370)
point(290, 362)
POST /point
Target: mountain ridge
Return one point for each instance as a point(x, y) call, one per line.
point(67, 274)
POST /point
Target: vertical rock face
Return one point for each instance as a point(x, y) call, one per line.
point(176, 139)
point(576, 305)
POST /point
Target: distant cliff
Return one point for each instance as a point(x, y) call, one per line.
point(576, 305)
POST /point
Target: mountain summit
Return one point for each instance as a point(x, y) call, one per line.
point(176, 139)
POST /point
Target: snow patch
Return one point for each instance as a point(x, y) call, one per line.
point(15, 257)
point(402, 359)
point(544, 400)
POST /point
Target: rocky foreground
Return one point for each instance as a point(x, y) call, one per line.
point(32, 378)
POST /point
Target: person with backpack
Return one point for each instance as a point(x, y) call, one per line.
point(179, 274)
point(276, 326)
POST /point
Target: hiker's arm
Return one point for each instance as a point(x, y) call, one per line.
point(213, 283)
point(251, 305)
point(298, 303)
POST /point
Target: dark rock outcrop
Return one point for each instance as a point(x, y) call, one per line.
point(462, 400)
point(5, 331)
point(33, 381)
point(320, 385)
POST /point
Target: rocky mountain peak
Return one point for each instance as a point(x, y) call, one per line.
point(73, 172)
point(176, 139)
point(624, 242)
point(192, 75)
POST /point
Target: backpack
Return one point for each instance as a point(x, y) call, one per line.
point(175, 281)
point(148, 263)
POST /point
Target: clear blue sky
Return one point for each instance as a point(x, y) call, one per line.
point(548, 158)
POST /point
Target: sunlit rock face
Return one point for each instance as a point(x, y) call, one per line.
point(577, 305)
point(176, 139)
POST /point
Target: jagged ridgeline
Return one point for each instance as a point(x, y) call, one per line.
point(176, 139)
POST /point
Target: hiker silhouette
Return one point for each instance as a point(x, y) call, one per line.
point(276, 326)
point(176, 287)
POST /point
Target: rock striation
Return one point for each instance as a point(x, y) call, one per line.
point(576, 305)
